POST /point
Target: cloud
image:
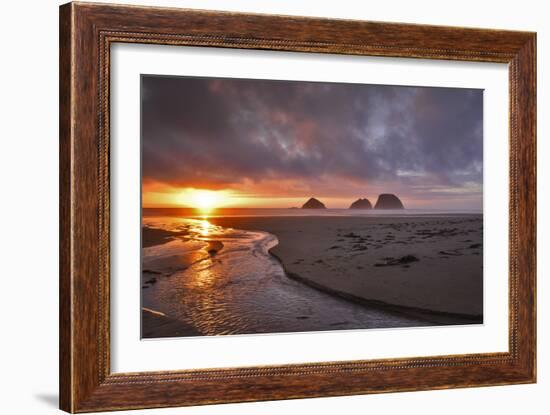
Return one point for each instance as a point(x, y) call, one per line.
point(326, 138)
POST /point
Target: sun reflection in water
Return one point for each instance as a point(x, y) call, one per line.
point(205, 226)
point(203, 277)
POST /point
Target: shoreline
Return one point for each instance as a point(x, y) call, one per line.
point(425, 270)
point(429, 267)
point(432, 316)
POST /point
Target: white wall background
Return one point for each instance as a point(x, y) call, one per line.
point(29, 207)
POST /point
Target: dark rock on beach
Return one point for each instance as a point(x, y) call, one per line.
point(390, 261)
point(313, 204)
point(351, 235)
point(361, 204)
point(214, 247)
point(388, 201)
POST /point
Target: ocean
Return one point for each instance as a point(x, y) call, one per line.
point(236, 212)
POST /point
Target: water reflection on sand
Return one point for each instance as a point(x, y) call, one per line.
point(224, 281)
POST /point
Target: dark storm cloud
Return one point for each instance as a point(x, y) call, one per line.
point(219, 132)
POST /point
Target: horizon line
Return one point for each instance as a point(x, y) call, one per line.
point(300, 208)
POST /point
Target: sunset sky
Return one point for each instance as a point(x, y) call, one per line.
point(258, 143)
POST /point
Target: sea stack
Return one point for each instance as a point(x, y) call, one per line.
point(361, 204)
point(388, 201)
point(313, 204)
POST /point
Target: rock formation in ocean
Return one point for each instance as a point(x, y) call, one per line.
point(388, 201)
point(313, 204)
point(361, 204)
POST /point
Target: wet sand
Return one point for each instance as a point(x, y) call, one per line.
point(152, 236)
point(220, 281)
point(156, 324)
point(420, 265)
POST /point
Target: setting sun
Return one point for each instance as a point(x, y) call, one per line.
point(203, 199)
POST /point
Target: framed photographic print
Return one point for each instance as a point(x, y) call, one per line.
point(260, 207)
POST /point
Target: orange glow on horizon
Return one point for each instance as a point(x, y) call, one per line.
point(249, 194)
point(268, 195)
point(204, 200)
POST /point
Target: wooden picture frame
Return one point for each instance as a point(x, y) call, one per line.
point(86, 33)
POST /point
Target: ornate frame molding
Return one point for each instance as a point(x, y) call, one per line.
point(86, 33)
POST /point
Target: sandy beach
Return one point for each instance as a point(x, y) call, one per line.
point(425, 264)
point(269, 274)
point(157, 324)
